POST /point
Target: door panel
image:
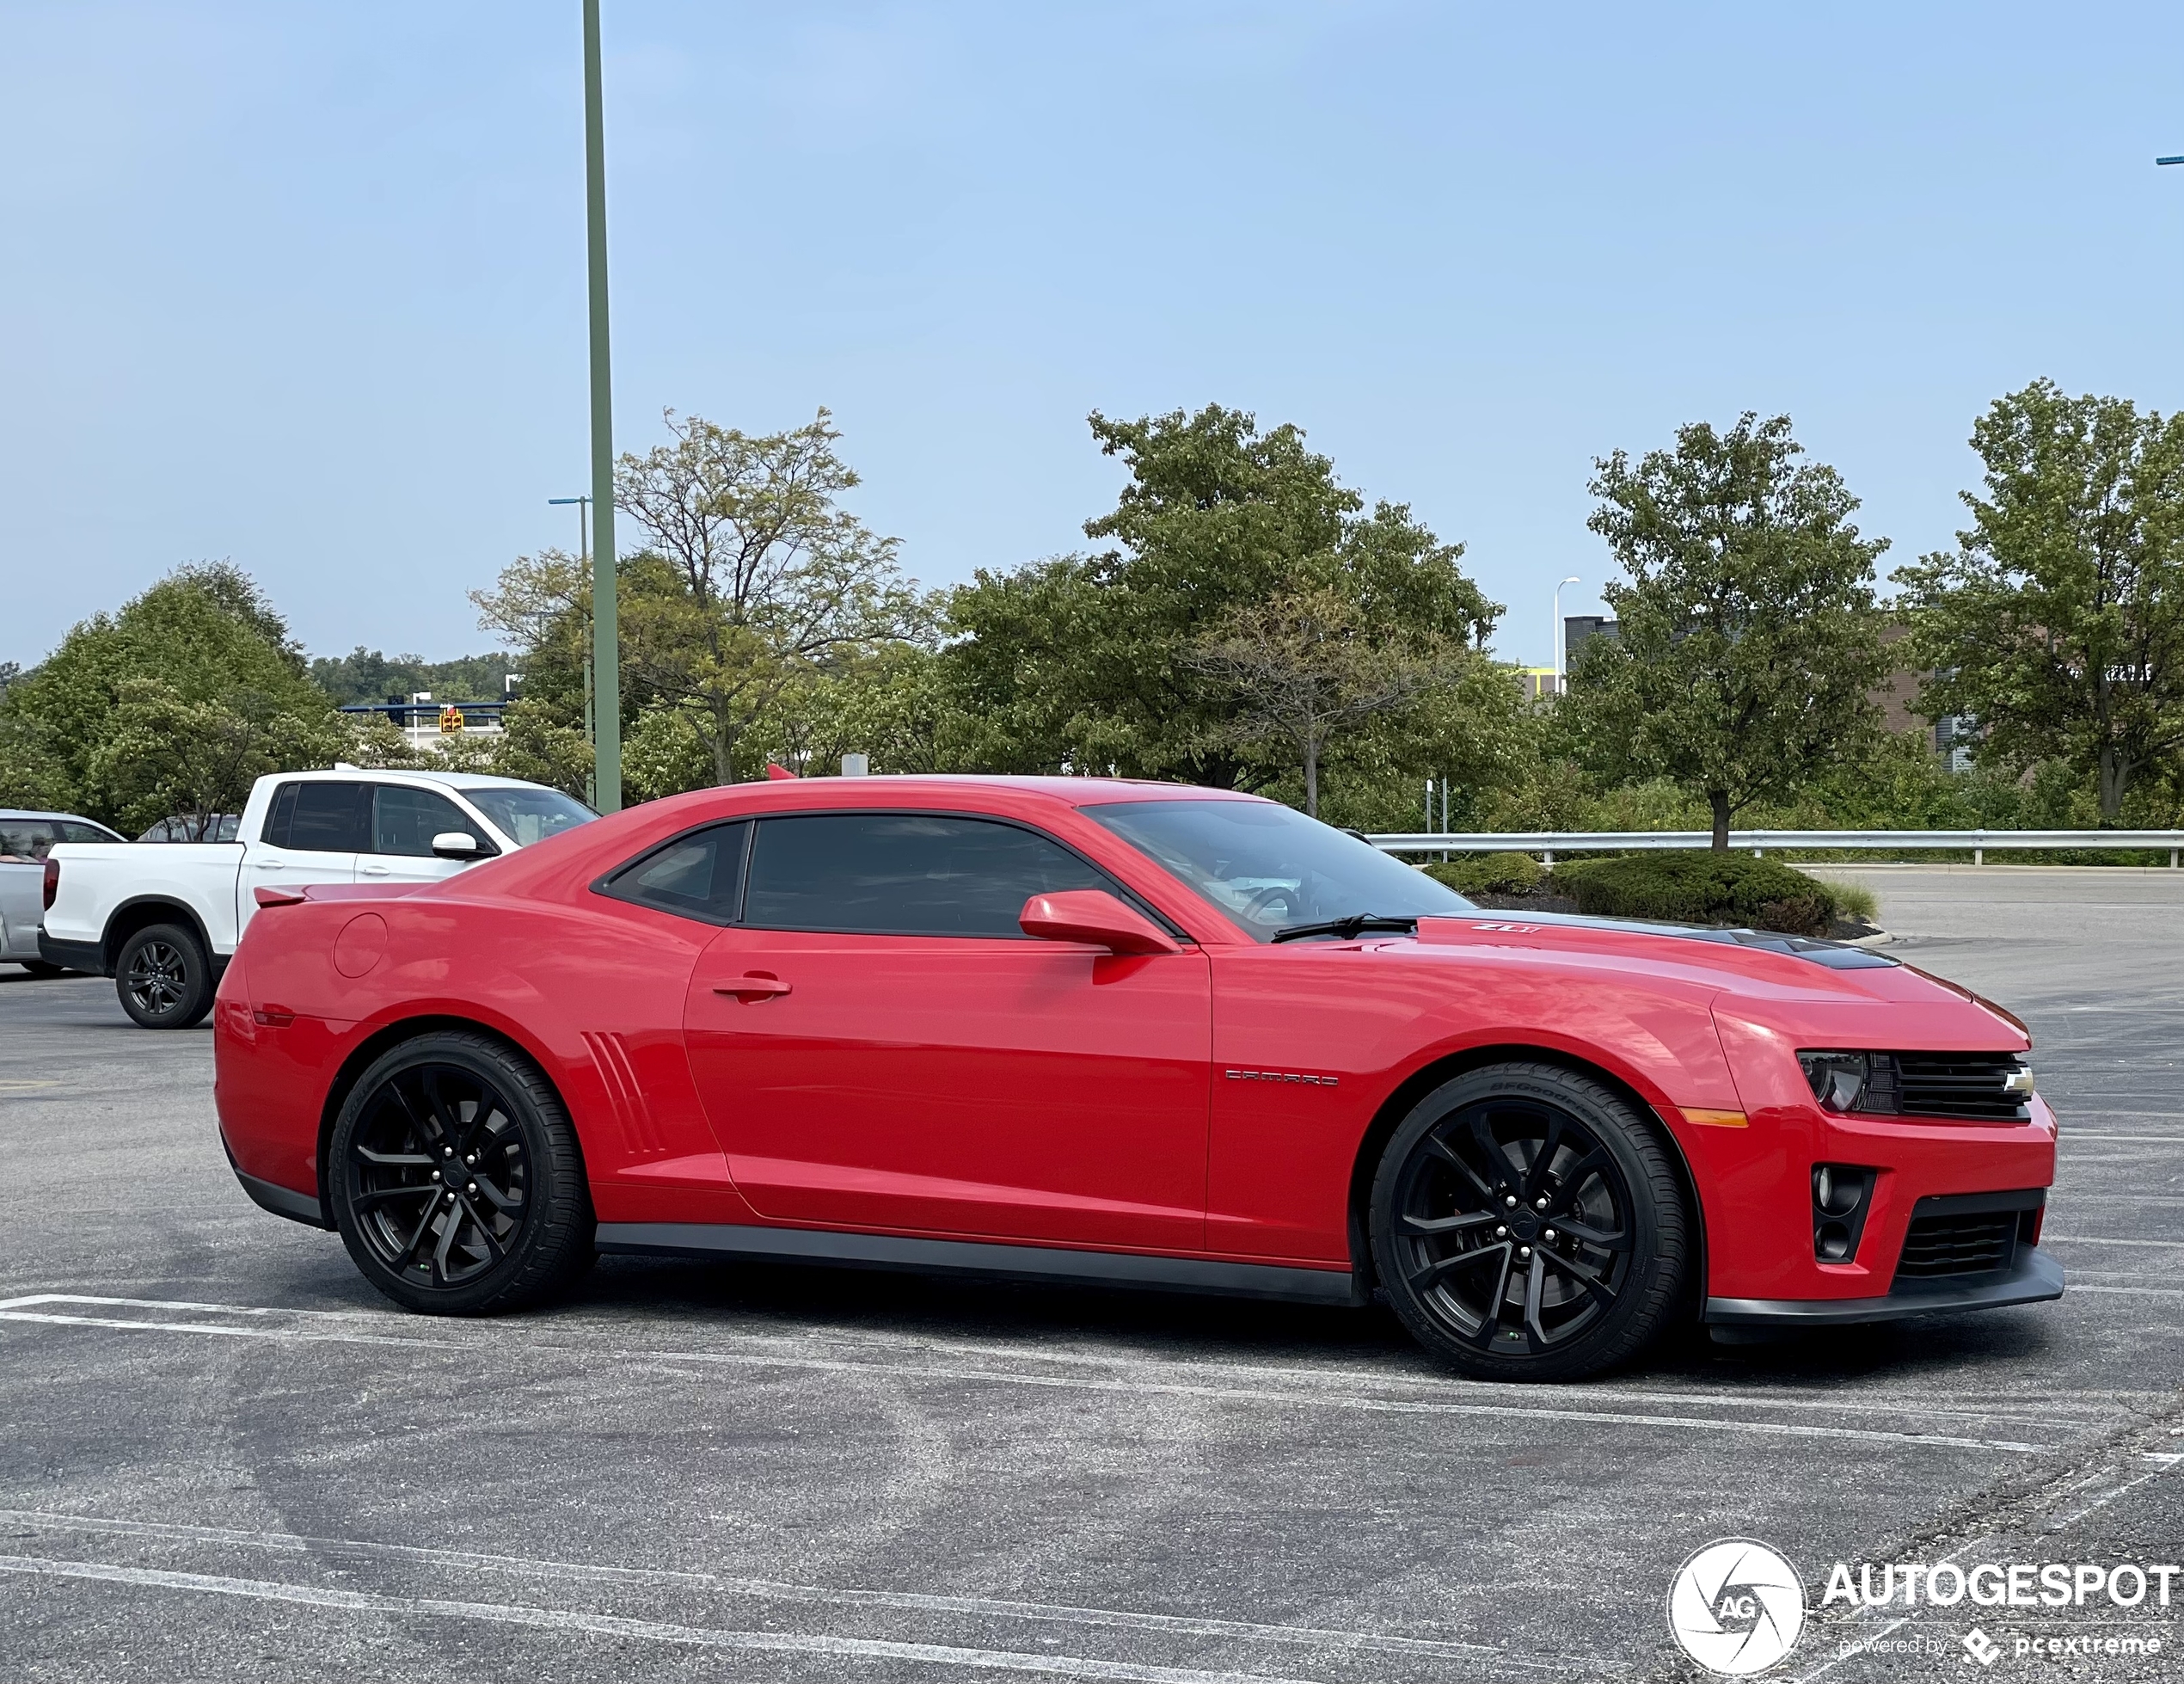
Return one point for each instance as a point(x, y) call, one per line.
point(1015, 1088)
point(404, 821)
point(312, 834)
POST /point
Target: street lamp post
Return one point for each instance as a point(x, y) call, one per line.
point(1571, 579)
point(606, 653)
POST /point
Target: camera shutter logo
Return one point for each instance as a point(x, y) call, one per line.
point(1736, 1608)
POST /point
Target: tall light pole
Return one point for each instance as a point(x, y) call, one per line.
point(1571, 579)
point(606, 653)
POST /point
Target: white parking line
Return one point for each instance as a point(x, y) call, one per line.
point(770, 1589)
point(571, 1620)
point(1140, 1387)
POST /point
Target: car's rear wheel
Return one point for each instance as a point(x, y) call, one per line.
point(163, 977)
point(1527, 1225)
point(457, 1182)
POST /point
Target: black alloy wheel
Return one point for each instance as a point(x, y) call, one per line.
point(164, 978)
point(458, 1185)
point(1527, 1225)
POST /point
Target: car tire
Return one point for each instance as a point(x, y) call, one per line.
point(39, 968)
point(163, 977)
point(515, 1228)
point(1527, 1223)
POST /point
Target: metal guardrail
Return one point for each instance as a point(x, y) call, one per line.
point(1552, 842)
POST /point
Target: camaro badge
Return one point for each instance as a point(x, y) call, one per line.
point(1281, 1076)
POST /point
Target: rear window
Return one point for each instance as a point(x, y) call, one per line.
point(321, 818)
point(699, 875)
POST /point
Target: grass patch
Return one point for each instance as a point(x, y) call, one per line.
point(1488, 874)
point(1705, 887)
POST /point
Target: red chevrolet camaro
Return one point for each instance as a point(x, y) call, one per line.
point(1083, 1030)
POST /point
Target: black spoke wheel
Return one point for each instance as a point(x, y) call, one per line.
point(164, 978)
point(1527, 1223)
point(457, 1181)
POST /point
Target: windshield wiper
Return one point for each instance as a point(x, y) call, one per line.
point(1356, 925)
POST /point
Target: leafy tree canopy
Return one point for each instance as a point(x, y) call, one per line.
point(1092, 662)
point(82, 731)
point(2057, 622)
point(1749, 635)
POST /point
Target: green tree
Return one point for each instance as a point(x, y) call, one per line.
point(2057, 622)
point(1749, 636)
point(1096, 661)
point(163, 755)
point(772, 580)
point(372, 675)
point(206, 636)
point(1305, 665)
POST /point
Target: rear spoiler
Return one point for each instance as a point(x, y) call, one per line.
point(319, 893)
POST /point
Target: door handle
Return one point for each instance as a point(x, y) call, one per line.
point(752, 987)
point(266, 864)
point(375, 870)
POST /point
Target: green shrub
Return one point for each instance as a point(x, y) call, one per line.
point(1488, 874)
point(1702, 889)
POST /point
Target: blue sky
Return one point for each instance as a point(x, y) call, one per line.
point(303, 286)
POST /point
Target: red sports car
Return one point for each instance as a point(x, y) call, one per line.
point(1083, 1030)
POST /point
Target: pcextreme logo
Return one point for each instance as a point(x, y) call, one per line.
point(1736, 1607)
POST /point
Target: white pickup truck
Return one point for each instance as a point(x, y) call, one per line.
point(163, 921)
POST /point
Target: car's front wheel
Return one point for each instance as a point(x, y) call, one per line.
point(1527, 1225)
point(457, 1182)
point(164, 978)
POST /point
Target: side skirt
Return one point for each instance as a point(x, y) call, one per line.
point(980, 1259)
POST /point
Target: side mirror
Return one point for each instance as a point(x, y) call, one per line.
point(455, 845)
point(1093, 915)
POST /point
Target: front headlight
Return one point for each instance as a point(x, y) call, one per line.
point(1837, 1079)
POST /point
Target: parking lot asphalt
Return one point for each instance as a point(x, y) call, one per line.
point(222, 1455)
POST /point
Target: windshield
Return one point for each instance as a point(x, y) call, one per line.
point(525, 814)
point(1270, 867)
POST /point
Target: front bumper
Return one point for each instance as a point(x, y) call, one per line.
point(2032, 1277)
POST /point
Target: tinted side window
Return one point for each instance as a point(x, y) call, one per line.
point(330, 818)
point(903, 874)
point(404, 820)
point(277, 816)
point(74, 830)
point(699, 875)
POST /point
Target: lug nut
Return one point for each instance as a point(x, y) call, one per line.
point(1549, 1234)
point(470, 1157)
point(1501, 1233)
point(451, 1198)
point(1539, 1204)
point(436, 1175)
point(472, 1187)
point(1524, 1251)
point(447, 1151)
point(1511, 1201)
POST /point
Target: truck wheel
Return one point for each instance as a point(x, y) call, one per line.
point(164, 978)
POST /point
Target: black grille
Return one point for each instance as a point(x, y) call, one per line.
point(1946, 1085)
point(1958, 1244)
